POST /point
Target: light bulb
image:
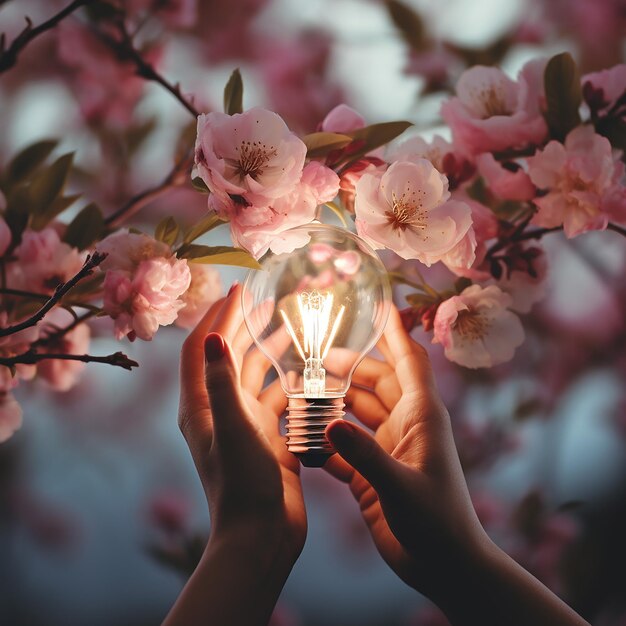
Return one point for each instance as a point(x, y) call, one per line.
point(315, 313)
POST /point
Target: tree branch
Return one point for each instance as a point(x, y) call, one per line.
point(138, 201)
point(118, 359)
point(617, 229)
point(56, 335)
point(125, 50)
point(8, 56)
point(91, 262)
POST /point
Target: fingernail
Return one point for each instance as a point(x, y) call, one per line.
point(214, 347)
point(341, 432)
point(232, 288)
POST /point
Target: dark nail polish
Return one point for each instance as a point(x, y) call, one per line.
point(232, 287)
point(214, 347)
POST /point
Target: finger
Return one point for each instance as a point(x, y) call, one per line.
point(231, 423)
point(230, 316)
point(412, 364)
point(274, 398)
point(360, 450)
point(366, 407)
point(370, 371)
point(192, 389)
point(383, 347)
point(339, 468)
point(253, 371)
point(243, 339)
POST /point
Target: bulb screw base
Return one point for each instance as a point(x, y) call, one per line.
point(307, 419)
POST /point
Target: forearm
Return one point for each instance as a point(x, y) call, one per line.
point(238, 581)
point(489, 588)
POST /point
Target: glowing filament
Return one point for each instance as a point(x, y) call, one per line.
point(315, 310)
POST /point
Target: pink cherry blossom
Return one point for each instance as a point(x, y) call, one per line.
point(476, 329)
point(342, 119)
point(251, 155)
point(406, 210)
point(259, 228)
point(441, 153)
point(606, 86)
point(491, 112)
point(143, 285)
point(5, 237)
point(205, 288)
point(10, 416)
point(507, 181)
point(583, 181)
point(43, 261)
point(351, 175)
point(484, 228)
point(416, 147)
point(62, 375)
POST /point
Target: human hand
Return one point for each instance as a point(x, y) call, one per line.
point(407, 478)
point(410, 487)
point(230, 423)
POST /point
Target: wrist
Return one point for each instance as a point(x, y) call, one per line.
point(262, 548)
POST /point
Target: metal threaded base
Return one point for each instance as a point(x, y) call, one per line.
point(307, 419)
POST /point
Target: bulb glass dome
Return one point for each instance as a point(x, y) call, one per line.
point(315, 312)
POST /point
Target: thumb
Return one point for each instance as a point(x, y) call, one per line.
point(228, 410)
point(364, 454)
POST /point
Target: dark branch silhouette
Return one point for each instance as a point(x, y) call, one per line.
point(118, 359)
point(8, 56)
point(87, 269)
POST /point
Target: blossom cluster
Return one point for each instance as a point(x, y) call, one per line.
point(477, 204)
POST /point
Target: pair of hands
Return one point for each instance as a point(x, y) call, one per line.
point(407, 478)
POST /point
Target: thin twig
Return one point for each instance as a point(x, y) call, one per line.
point(8, 56)
point(138, 201)
point(530, 234)
point(617, 229)
point(87, 269)
point(58, 334)
point(118, 359)
point(125, 50)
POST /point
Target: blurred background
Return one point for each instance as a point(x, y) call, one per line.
point(101, 510)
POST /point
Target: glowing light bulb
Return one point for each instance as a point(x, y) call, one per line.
point(315, 313)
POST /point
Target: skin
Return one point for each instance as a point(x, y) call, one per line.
point(406, 478)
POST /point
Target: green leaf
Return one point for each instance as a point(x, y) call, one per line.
point(86, 228)
point(563, 95)
point(206, 224)
point(16, 214)
point(614, 129)
point(48, 184)
point(233, 94)
point(28, 160)
point(167, 231)
point(375, 136)
point(460, 284)
point(418, 300)
point(338, 211)
point(409, 23)
point(136, 135)
point(199, 185)
point(40, 220)
point(320, 144)
point(219, 255)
